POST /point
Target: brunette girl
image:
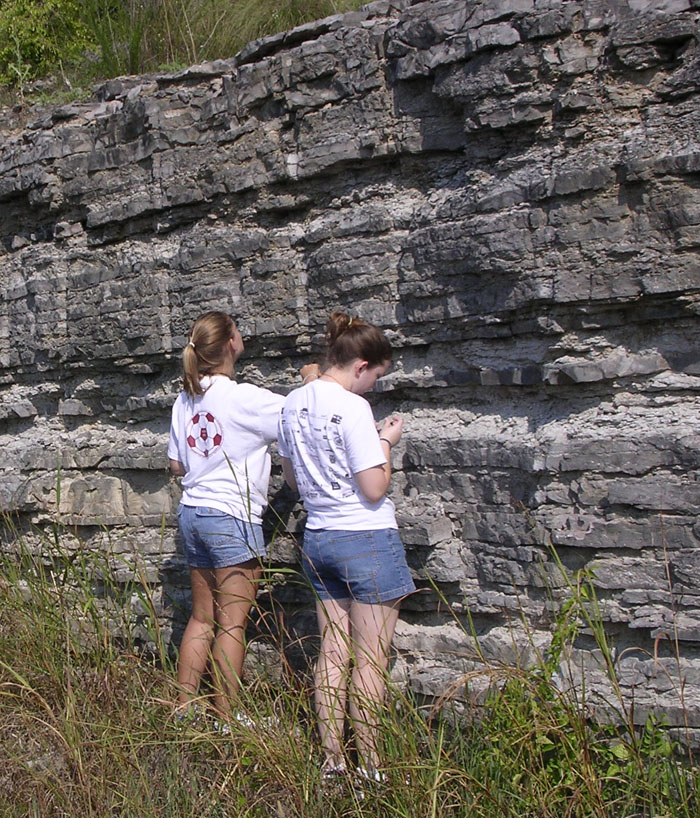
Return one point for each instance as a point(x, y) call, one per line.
point(352, 553)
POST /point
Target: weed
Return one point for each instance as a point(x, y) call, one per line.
point(85, 41)
point(87, 726)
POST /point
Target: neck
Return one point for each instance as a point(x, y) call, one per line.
point(341, 376)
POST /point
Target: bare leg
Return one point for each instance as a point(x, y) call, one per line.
point(235, 594)
point(198, 636)
point(330, 674)
point(372, 631)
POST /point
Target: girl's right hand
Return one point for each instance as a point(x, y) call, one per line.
point(392, 429)
point(310, 372)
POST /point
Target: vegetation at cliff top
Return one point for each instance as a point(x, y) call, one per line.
point(87, 725)
point(77, 42)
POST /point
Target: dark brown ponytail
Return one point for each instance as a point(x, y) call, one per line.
point(205, 351)
point(350, 338)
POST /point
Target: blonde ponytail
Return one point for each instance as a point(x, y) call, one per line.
point(206, 349)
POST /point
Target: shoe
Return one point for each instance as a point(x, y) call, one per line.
point(263, 723)
point(332, 771)
point(371, 775)
point(367, 779)
point(224, 726)
point(245, 720)
point(187, 716)
point(334, 776)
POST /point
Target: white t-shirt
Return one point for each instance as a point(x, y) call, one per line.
point(222, 438)
point(328, 434)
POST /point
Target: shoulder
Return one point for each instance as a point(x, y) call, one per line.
point(357, 404)
point(253, 391)
point(358, 413)
point(258, 395)
point(180, 401)
point(295, 396)
point(359, 400)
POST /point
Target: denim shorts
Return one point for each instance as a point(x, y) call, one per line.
point(367, 566)
point(214, 539)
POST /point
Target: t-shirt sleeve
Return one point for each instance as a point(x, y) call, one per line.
point(281, 443)
point(173, 443)
point(362, 445)
point(267, 409)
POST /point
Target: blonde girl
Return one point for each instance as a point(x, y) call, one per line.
point(352, 553)
point(219, 439)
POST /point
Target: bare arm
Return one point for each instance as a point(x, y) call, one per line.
point(288, 473)
point(374, 482)
point(177, 469)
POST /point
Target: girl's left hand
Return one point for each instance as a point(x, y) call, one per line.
point(392, 429)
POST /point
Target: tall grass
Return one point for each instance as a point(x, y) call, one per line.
point(87, 725)
point(81, 41)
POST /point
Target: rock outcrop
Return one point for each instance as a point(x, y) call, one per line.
point(511, 188)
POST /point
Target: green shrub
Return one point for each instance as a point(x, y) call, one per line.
point(106, 38)
point(36, 36)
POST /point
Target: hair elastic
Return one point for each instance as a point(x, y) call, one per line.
point(190, 344)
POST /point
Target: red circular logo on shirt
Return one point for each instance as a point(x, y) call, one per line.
point(204, 434)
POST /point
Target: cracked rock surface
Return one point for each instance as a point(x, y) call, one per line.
point(510, 188)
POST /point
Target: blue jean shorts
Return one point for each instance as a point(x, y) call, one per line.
point(214, 539)
point(366, 566)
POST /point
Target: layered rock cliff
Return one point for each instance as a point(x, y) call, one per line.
point(512, 189)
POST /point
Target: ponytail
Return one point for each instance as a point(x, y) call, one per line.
point(350, 338)
point(205, 351)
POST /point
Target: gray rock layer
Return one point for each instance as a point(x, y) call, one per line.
point(512, 189)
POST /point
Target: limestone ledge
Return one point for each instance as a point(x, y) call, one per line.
point(509, 188)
